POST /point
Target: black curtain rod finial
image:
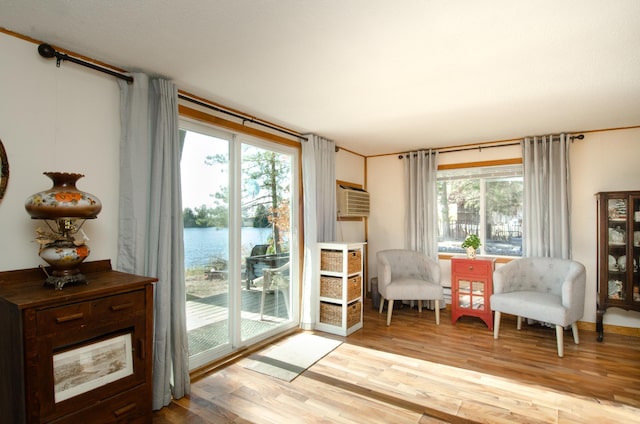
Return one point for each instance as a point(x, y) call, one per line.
point(46, 51)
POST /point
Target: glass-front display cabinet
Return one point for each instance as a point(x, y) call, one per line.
point(618, 253)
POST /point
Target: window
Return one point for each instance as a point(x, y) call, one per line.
point(486, 201)
point(239, 196)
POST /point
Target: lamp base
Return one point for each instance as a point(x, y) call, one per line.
point(58, 282)
point(64, 257)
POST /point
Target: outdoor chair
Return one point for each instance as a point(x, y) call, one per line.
point(275, 280)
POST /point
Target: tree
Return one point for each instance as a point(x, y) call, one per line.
point(261, 219)
point(271, 173)
point(280, 218)
point(189, 218)
point(203, 216)
point(265, 183)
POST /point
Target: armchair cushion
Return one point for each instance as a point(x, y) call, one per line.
point(538, 306)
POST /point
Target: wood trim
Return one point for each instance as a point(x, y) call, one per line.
point(446, 149)
point(498, 162)
point(348, 184)
point(497, 143)
point(608, 328)
point(235, 111)
point(351, 151)
point(498, 259)
point(207, 118)
point(62, 50)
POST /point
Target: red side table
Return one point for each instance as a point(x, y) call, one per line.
point(471, 288)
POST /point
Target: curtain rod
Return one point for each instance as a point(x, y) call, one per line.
point(462, 149)
point(480, 147)
point(47, 51)
point(239, 116)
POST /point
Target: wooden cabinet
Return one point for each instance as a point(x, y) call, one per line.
point(618, 248)
point(471, 288)
point(340, 287)
point(76, 355)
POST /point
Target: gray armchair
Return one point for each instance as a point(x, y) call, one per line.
point(549, 290)
point(408, 275)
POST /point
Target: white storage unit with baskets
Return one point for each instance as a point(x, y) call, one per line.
point(341, 278)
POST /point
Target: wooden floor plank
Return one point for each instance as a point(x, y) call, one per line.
point(416, 372)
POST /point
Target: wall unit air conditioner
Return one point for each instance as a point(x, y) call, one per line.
point(352, 202)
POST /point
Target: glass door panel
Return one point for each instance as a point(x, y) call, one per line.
point(478, 295)
point(617, 248)
point(205, 201)
point(266, 182)
point(239, 237)
point(464, 297)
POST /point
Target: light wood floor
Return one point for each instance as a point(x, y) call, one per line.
point(417, 372)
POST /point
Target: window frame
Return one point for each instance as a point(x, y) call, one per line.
point(240, 134)
point(481, 228)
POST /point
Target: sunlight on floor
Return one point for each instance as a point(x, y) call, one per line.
point(459, 392)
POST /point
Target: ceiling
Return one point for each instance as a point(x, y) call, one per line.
point(375, 76)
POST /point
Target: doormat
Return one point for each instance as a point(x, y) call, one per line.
point(288, 360)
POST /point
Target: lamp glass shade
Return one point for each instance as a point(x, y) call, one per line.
point(63, 200)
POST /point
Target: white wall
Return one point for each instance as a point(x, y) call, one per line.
point(350, 168)
point(55, 119)
point(603, 161)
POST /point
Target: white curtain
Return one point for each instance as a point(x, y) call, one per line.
point(547, 197)
point(319, 188)
point(150, 233)
point(421, 194)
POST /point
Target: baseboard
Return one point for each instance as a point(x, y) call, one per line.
point(608, 328)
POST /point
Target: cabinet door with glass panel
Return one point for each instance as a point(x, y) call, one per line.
point(618, 253)
point(471, 288)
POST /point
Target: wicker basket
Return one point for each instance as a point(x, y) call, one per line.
point(354, 313)
point(332, 287)
point(332, 314)
point(331, 260)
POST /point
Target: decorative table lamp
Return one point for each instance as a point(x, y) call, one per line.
point(64, 209)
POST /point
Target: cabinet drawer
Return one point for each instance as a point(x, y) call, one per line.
point(90, 312)
point(471, 266)
point(118, 307)
point(64, 318)
point(132, 406)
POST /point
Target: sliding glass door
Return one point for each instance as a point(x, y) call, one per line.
point(239, 240)
point(265, 238)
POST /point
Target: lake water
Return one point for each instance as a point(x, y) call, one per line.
point(201, 245)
